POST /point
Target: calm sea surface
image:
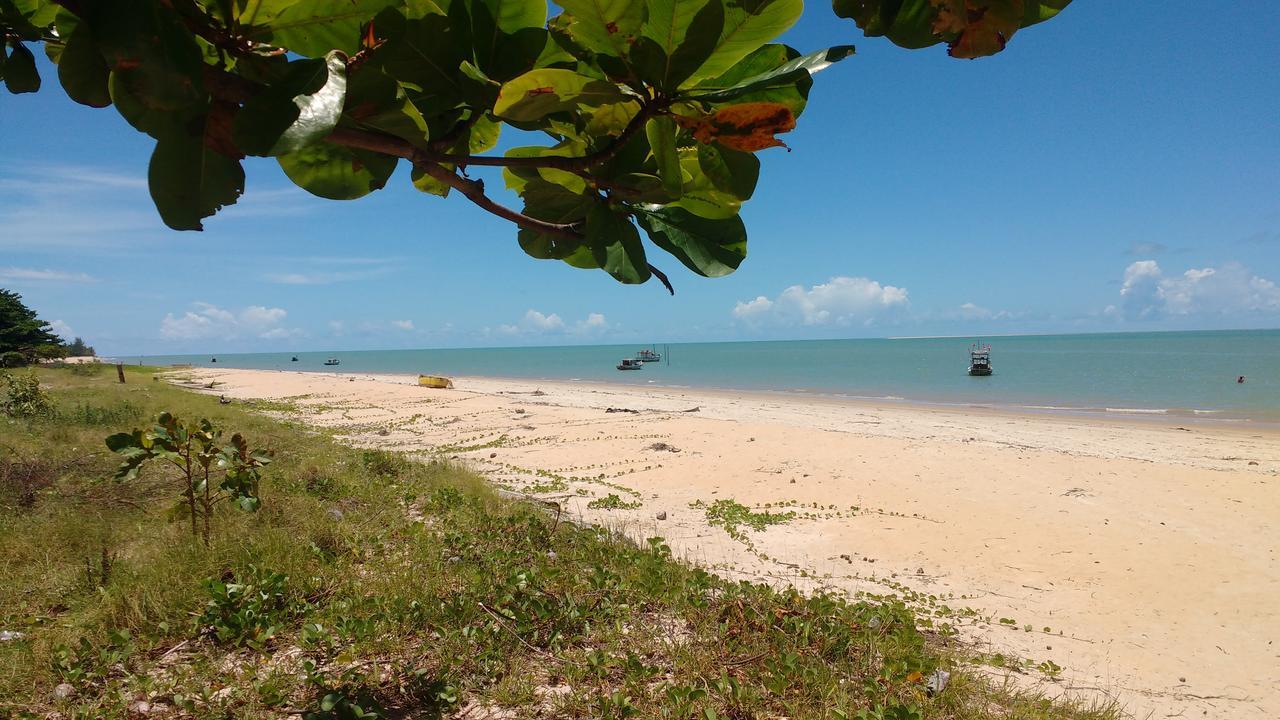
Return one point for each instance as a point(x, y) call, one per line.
point(1175, 373)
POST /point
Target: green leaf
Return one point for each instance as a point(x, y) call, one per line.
point(376, 101)
point(710, 195)
point(711, 248)
point(616, 246)
point(302, 108)
point(20, 75)
point(189, 179)
point(730, 171)
point(337, 173)
point(761, 62)
point(538, 93)
point(484, 135)
point(26, 19)
point(120, 441)
point(82, 71)
point(971, 28)
point(676, 40)
point(154, 54)
point(661, 132)
point(552, 202)
point(604, 27)
point(748, 25)
point(141, 117)
point(427, 53)
point(428, 184)
point(313, 28)
point(785, 75)
point(508, 36)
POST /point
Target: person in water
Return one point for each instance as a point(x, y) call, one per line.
point(1240, 380)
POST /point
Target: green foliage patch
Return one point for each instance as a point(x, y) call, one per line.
point(648, 113)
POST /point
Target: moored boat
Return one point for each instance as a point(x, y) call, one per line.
point(331, 361)
point(979, 360)
point(630, 364)
point(646, 356)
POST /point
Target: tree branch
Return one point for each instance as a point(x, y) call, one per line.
point(472, 190)
point(559, 162)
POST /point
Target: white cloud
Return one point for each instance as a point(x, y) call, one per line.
point(535, 320)
point(44, 206)
point(17, 275)
point(1146, 248)
point(74, 206)
point(538, 323)
point(324, 277)
point(403, 324)
point(594, 321)
point(1231, 289)
point(973, 311)
point(841, 301)
point(211, 321)
point(62, 330)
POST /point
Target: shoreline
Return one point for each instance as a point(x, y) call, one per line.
point(1145, 416)
point(1138, 558)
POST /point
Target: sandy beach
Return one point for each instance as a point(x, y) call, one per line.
point(1098, 557)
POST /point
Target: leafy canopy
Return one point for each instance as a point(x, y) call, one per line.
point(22, 333)
point(652, 110)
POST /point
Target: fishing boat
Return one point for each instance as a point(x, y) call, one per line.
point(294, 359)
point(630, 364)
point(435, 381)
point(331, 361)
point(979, 359)
point(647, 356)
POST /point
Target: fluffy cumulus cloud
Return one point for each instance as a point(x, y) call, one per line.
point(62, 329)
point(1148, 293)
point(841, 301)
point(535, 322)
point(973, 311)
point(211, 321)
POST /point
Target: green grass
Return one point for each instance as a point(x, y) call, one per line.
point(404, 589)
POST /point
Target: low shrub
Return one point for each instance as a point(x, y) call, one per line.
point(23, 397)
point(384, 464)
point(247, 613)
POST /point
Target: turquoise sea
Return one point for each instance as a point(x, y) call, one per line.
point(1168, 373)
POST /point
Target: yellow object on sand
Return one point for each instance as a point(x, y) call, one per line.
point(435, 381)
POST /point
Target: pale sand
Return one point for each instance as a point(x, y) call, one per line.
point(1149, 550)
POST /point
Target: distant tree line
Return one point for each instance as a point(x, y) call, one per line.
point(26, 339)
point(78, 348)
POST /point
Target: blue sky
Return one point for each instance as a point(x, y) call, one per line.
point(1116, 169)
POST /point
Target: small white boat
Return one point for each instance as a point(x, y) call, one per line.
point(331, 361)
point(646, 356)
point(630, 364)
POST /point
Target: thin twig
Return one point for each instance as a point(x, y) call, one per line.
point(514, 634)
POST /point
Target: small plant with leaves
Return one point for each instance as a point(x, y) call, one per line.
point(612, 502)
point(211, 473)
point(247, 613)
point(23, 397)
point(732, 516)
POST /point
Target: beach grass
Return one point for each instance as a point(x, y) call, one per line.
point(371, 585)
